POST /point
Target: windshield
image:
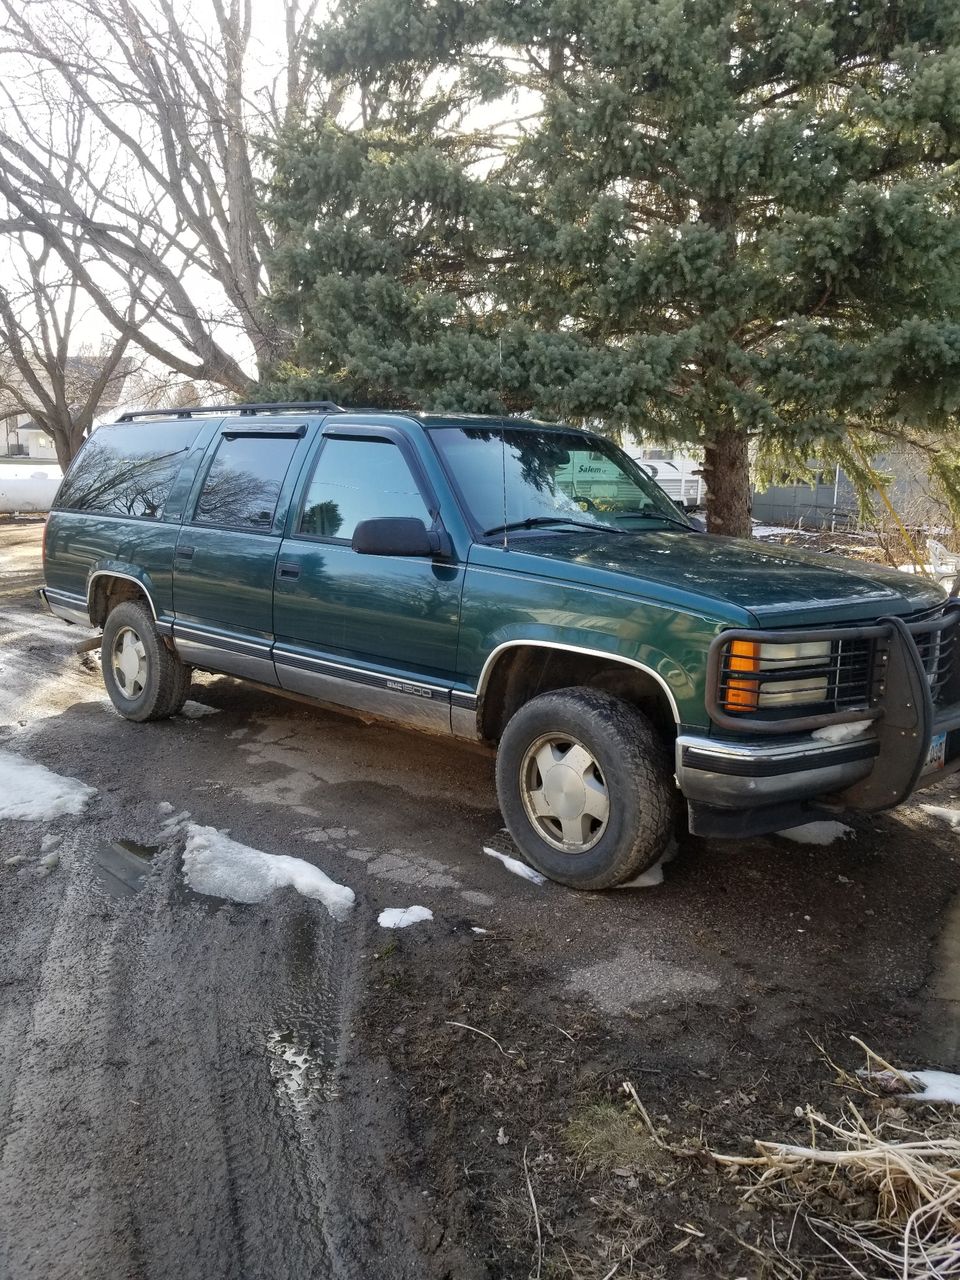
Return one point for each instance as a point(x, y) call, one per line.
point(540, 475)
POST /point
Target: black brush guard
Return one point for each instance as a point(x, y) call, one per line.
point(904, 676)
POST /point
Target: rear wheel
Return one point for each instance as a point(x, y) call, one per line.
point(145, 679)
point(586, 788)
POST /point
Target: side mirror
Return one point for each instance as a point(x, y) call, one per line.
point(685, 505)
point(398, 536)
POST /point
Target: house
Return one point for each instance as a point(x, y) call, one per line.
point(21, 436)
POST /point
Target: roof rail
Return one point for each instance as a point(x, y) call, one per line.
point(242, 410)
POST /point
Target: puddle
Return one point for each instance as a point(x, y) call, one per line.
point(299, 1071)
point(122, 866)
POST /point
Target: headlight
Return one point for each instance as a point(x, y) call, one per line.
point(760, 676)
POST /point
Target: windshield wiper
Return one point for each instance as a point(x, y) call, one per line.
point(533, 521)
point(658, 515)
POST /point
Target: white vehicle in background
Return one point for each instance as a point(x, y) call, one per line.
point(28, 485)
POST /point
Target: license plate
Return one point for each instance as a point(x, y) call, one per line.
point(936, 756)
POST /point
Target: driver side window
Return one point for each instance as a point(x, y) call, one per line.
point(356, 480)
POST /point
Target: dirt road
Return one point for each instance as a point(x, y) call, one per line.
point(193, 1087)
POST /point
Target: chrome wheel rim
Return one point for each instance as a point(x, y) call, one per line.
point(564, 793)
point(129, 663)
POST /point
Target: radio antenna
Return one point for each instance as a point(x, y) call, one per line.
point(503, 443)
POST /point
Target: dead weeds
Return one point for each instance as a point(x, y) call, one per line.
point(876, 1185)
point(536, 1155)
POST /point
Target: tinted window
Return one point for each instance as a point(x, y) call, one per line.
point(243, 483)
point(359, 480)
point(128, 469)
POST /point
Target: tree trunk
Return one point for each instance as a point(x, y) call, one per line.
point(726, 473)
point(67, 439)
point(64, 448)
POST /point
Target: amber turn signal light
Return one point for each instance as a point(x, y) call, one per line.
point(742, 695)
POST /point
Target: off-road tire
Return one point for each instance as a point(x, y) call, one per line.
point(636, 771)
point(167, 680)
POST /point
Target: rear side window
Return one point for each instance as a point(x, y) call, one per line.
point(127, 469)
point(358, 480)
point(244, 480)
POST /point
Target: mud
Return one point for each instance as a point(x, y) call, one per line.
point(196, 1088)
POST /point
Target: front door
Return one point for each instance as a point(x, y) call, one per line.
point(226, 554)
point(374, 632)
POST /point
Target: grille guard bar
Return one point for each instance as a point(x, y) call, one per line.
point(903, 715)
point(784, 724)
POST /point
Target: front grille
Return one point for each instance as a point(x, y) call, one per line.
point(935, 635)
point(854, 663)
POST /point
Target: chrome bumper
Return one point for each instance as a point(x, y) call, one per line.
point(733, 775)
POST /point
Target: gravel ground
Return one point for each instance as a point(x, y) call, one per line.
point(190, 1087)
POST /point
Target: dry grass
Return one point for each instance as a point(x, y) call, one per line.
point(868, 1192)
point(881, 1194)
point(604, 1134)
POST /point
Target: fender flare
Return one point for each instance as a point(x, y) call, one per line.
point(560, 646)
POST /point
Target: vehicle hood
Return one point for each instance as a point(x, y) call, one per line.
point(778, 586)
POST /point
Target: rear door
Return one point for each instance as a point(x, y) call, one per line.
point(226, 554)
point(373, 632)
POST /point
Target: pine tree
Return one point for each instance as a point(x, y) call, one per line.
point(727, 224)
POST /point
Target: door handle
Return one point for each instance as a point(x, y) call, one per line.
point(288, 571)
point(184, 553)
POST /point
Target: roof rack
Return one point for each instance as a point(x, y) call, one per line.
point(241, 410)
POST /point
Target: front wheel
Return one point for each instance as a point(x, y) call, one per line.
point(145, 679)
point(586, 788)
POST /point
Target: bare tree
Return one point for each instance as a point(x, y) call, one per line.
point(178, 102)
point(49, 368)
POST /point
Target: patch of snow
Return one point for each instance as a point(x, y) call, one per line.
point(50, 841)
point(779, 530)
point(823, 833)
point(842, 732)
point(401, 917)
point(950, 816)
point(31, 792)
point(164, 807)
point(646, 879)
point(475, 928)
point(518, 868)
point(223, 868)
point(174, 823)
point(938, 1086)
point(653, 875)
point(197, 710)
point(50, 861)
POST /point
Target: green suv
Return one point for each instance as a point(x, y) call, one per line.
point(521, 584)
